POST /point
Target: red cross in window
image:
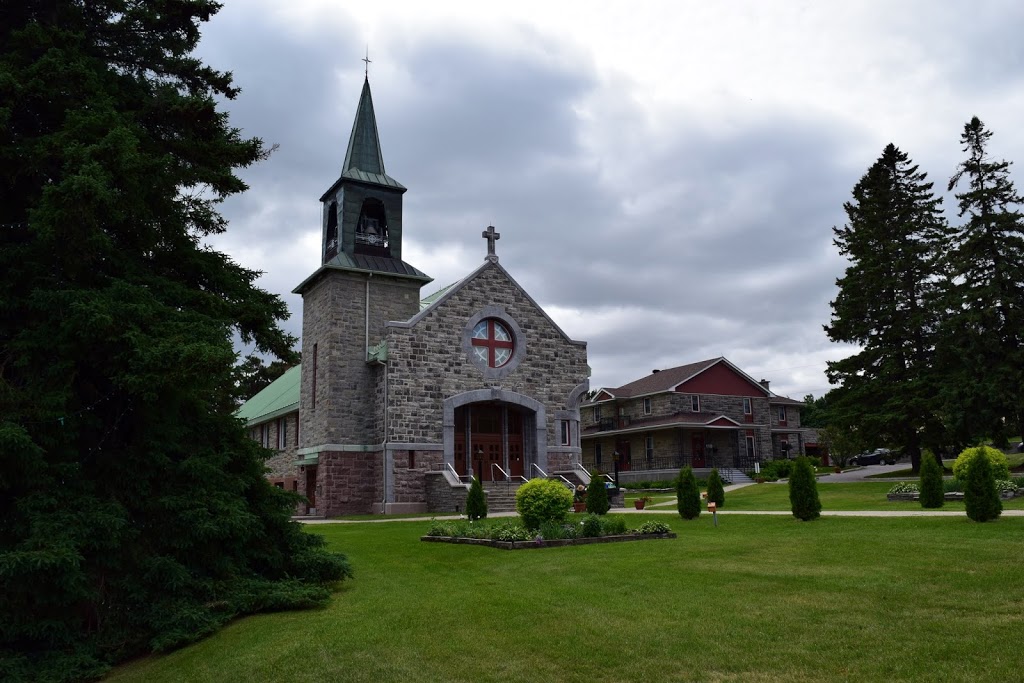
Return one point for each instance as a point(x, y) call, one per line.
point(499, 350)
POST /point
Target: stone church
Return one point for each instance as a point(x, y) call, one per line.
point(400, 400)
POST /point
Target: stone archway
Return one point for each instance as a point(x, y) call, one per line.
point(513, 426)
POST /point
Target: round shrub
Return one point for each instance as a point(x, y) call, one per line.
point(687, 494)
point(654, 528)
point(476, 504)
point(716, 492)
point(542, 500)
point(803, 491)
point(932, 495)
point(980, 496)
point(597, 497)
point(997, 462)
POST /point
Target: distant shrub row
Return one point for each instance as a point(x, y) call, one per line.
point(591, 526)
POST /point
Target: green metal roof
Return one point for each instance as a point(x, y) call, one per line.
point(364, 161)
point(425, 303)
point(280, 397)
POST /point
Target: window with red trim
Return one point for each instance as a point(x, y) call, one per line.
point(492, 343)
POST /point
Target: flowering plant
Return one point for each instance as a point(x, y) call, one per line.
point(580, 494)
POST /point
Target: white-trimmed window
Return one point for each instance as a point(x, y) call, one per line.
point(747, 408)
point(649, 447)
point(566, 433)
point(265, 435)
point(782, 414)
point(282, 433)
point(647, 406)
point(695, 403)
point(750, 447)
point(597, 413)
point(597, 454)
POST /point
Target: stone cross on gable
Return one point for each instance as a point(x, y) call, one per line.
point(491, 236)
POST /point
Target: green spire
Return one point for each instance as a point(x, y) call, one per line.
point(364, 144)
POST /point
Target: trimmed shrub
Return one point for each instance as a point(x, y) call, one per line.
point(716, 492)
point(590, 527)
point(654, 528)
point(997, 462)
point(932, 495)
point(687, 494)
point(613, 526)
point(597, 496)
point(542, 500)
point(980, 496)
point(476, 503)
point(803, 491)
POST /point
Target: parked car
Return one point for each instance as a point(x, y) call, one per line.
point(879, 456)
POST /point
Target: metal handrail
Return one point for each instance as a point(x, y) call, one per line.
point(582, 472)
point(566, 482)
point(457, 475)
point(537, 467)
point(507, 483)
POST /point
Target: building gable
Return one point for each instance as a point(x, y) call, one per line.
point(722, 379)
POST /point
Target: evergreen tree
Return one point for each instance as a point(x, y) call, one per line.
point(803, 491)
point(981, 341)
point(887, 304)
point(134, 511)
point(597, 497)
point(980, 495)
point(932, 494)
point(716, 492)
point(476, 502)
point(687, 494)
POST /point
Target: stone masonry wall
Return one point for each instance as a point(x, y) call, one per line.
point(346, 386)
point(442, 496)
point(411, 468)
point(349, 483)
point(428, 363)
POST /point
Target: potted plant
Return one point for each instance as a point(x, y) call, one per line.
point(641, 502)
point(579, 499)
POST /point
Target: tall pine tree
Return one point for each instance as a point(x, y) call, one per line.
point(887, 305)
point(134, 512)
point(981, 340)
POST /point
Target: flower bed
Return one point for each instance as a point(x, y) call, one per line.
point(512, 535)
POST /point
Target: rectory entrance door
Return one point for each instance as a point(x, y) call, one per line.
point(697, 444)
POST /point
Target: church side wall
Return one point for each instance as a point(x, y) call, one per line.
point(428, 364)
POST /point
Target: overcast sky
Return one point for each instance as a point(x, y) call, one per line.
point(664, 175)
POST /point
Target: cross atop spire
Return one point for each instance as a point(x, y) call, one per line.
point(368, 61)
point(492, 236)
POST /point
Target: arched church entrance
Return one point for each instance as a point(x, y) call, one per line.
point(489, 440)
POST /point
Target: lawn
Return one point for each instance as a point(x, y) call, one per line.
point(756, 599)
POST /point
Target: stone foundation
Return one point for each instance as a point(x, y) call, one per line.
point(349, 483)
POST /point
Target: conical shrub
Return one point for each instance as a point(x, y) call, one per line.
point(716, 492)
point(932, 495)
point(476, 503)
point(803, 491)
point(597, 497)
point(980, 495)
point(687, 494)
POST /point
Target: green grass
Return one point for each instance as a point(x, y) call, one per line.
point(755, 599)
point(838, 496)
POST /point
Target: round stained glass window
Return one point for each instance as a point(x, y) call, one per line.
point(492, 343)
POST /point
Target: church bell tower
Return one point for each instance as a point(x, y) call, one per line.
point(361, 284)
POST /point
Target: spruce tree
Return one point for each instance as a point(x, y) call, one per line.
point(932, 495)
point(981, 498)
point(803, 491)
point(476, 502)
point(135, 512)
point(716, 492)
point(597, 497)
point(888, 306)
point(687, 494)
point(980, 344)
